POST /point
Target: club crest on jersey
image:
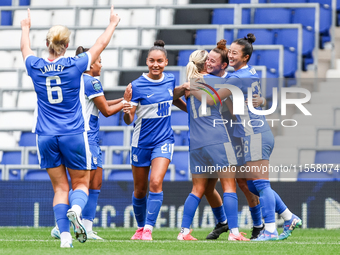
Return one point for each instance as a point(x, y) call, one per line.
point(81, 55)
point(170, 92)
point(96, 85)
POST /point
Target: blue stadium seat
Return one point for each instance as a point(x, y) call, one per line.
point(12, 157)
point(181, 161)
point(263, 36)
point(239, 1)
point(290, 63)
point(110, 121)
point(315, 176)
point(336, 138)
point(272, 16)
point(6, 16)
point(37, 175)
point(226, 16)
point(24, 2)
point(27, 139)
point(208, 36)
point(120, 175)
point(324, 157)
point(270, 59)
point(288, 1)
point(179, 118)
point(111, 138)
point(183, 57)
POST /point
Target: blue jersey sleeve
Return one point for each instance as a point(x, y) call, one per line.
point(93, 87)
point(28, 63)
point(135, 94)
point(83, 61)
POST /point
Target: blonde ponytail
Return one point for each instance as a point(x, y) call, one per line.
point(196, 64)
point(57, 38)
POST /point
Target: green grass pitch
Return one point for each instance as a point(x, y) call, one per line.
point(117, 241)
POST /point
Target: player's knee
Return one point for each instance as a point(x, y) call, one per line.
point(156, 185)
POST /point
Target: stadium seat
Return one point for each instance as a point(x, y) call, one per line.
point(6, 16)
point(12, 157)
point(27, 139)
point(208, 36)
point(270, 16)
point(263, 36)
point(209, 1)
point(24, 2)
point(7, 140)
point(110, 121)
point(181, 161)
point(192, 16)
point(120, 175)
point(179, 118)
point(239, 1)
point(27, 100)
point(290, 63)
point(325, 14)
point(177, 76)
point(323, 157)
point(8, 37)
point(288, 1)
point(336, 138)
point(226, 16)
point(125, 77)
point(183, 57)
point(315, 176)
point(36, 175)
point(111, 138)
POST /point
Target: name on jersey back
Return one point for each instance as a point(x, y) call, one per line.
point(52, 68)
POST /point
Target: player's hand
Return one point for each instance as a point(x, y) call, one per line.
point(127, 107)
point(187, 94)
point(114, 18)
point(257, 100)
point(128, 93)
point(26, 23)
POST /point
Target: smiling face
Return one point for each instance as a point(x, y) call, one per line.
point(214, 64)
point(235, 56)
point(156, 62)
point(96, 67)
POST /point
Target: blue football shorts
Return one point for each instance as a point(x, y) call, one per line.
point(142, 157)
point(216, 156)
point(258, 146)
point(97, 156)
point(71, 150)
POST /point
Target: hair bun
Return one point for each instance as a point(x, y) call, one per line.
point(159, 43)
point(222, 44)
point(251, 38)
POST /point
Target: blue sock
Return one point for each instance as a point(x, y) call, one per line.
point(252, 188)
point(89, 211)
point(190, 206)
point(256, 215)
point(280, 206)
point(267, 200)
point(78, 197)
point(230, 203)
point(139, 208)
point(154, 204)
point(219, 213)
point(60, 211)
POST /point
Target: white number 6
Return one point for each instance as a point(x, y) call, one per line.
point(59, 99)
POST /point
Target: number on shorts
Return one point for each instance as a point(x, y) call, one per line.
point(59, 99)
point(246, 146)
point(238, 151)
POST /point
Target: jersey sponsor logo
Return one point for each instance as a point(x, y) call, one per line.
point(96, 85)
point(163, 109)
point(134, 158)
point(148, 96)
point(170, 92)
point(81, 55)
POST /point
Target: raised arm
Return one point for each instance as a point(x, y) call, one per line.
point(25, 44)
point(105, 38)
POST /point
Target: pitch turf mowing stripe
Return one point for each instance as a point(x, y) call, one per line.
point(176, 241)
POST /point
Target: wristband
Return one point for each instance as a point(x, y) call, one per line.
point(262, 101)
point(124, 101)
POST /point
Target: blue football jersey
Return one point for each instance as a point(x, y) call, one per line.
point(93, 88)
point(249, 123)
point(206, 129)
point(153, 99)
point(60, 92)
